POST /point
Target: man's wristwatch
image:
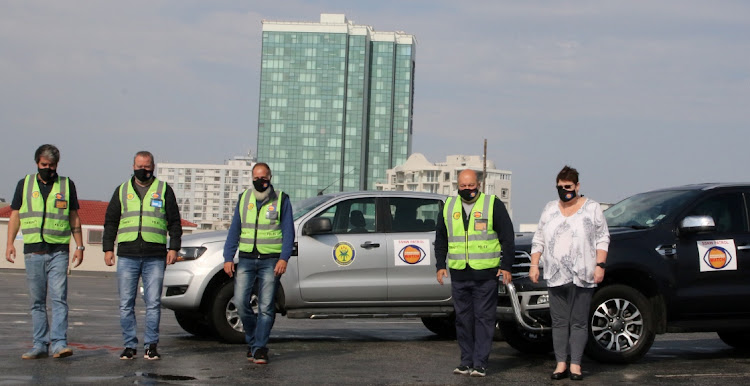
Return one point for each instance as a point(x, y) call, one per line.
point(81, 248)
point(603, 265)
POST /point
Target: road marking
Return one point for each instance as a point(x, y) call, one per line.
point(703, 375)
point(13, 313)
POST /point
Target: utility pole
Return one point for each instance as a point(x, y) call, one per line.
point(484, 167)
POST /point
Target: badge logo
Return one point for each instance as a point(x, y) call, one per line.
point(155, 196)
point(717, 257)
point(130, 196)
point(343, 253)
point(35, 194)
point(456, 215)
point(412, 254)
point(477, 214)
point(250, 206)
point(271, 208)
point(59, 196)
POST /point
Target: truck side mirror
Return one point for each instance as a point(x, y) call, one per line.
point(697, 224)
point(317, 226)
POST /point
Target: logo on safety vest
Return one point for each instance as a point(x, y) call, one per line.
point(155, 196)
point(456, 215)
point(59, 196)
point(271, 208)
point(130, 196)
point(477, 214)
point(343, 253)
point(35, 194)
point(250, 206)
point(717, 257)
point(412, 254)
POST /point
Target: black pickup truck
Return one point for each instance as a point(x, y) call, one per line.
point(679, 261)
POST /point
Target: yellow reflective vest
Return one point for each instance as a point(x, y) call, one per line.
point(263, 231)
point(479, 246)
point(147, 217)
point(50, 221)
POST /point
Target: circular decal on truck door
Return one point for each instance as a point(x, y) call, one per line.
point(343, 253)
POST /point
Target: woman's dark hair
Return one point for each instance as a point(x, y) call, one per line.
point(568, 174)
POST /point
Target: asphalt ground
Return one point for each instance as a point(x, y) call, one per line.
point(359, 351)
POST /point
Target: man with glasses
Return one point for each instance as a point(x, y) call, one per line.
point(45, 209)
point(263, 230)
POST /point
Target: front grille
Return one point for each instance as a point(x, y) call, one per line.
point(521, 264)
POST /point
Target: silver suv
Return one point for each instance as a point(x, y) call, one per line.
point(357, 254)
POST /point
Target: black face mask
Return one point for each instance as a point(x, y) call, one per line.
point(261, 184)
point(143, 175)
point(468, 194)
point(47, 174)
point(565, 195)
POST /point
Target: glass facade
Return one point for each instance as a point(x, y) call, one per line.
point(335, 109)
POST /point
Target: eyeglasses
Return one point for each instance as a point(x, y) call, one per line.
point(566, 186)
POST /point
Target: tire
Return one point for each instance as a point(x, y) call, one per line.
point(525, 341)
point(193, 323)
point(737, 339)
point(445, 326)
point(621, 325)
point(223, 315)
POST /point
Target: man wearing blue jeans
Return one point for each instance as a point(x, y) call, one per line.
point(142, 211)
point(263, 230)
point(45, 209)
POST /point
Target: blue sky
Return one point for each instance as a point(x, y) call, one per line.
point(635, 94)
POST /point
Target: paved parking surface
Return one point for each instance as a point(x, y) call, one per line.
point(362, 351)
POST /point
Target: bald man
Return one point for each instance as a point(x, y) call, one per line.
point(476, 237)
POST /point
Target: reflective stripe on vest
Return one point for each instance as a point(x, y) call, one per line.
point(142, 217)
point(42, 221)
point(479, 246)
point(262, 231)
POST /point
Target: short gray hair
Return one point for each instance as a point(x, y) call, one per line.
point(49, 152)
point(144, 153)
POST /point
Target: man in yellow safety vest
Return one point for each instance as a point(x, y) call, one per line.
point(45, 209)
point(476, 235)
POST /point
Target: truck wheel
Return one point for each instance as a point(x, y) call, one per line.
point(737, 339)
point(525, 341)
point(444, 327)
point(224, 317)
point(620, 325)
point(193, 323)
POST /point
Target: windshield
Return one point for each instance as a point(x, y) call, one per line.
point(645, 210)
point(303, 207)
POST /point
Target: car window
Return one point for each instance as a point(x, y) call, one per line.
point(413, 214)
point(352, 216)
point(646, 210)
point(727, 211)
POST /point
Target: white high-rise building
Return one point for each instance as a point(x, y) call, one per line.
point(419, 175)
point(207, 193)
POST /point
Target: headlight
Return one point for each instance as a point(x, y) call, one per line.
point(542, 299)
point(190, 253)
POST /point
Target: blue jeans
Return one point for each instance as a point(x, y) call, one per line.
point(151, 270)
point(48, 272)
point(257, 326)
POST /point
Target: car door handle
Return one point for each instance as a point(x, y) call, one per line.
point(368, 245)
point(743, 247)
point(667, 250)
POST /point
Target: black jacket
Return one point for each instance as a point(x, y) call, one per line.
point(501, 224)
point(140, 248)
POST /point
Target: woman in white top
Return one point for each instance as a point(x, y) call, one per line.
point(572, 241)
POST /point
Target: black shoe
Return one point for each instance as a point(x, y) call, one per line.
point(478, 372)
point(462, 370)
point(559, 376)
point(261, 356)
point(250, 355)
point(128, 353)
point(151, 353)
point(576, 377)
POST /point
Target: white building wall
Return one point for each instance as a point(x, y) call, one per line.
point(207, 193)
point(419, 175)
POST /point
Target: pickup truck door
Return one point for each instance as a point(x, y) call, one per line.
point(410, 238)
point(349, 263)
point(713, 269)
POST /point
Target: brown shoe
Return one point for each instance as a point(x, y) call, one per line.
point(63, 352)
